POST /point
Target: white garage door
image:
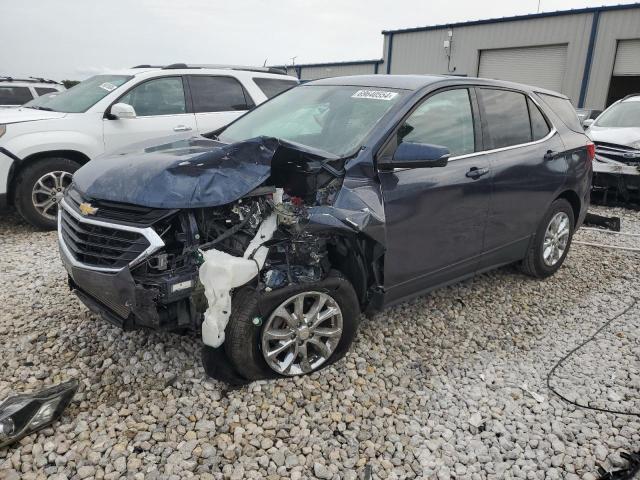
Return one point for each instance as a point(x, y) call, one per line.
point(540, 66)
point(627, 58)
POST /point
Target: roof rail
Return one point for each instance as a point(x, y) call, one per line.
point(184, 66)
point(30, 79)
point(631, 95)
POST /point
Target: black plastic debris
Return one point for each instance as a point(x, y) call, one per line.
point(610, 223)
point(632, 470)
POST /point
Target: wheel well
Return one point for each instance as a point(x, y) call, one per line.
point(573, 198)
point(360, 260)
point(74, 155)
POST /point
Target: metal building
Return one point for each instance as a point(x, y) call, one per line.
point(311, 71)
point(591, 54)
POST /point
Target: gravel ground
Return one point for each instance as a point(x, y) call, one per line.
point(451, 385)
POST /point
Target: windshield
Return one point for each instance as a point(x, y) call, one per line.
point(81, 97)
point(335, 119)
point(624, 114)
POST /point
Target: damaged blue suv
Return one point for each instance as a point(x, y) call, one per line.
point(337, 197)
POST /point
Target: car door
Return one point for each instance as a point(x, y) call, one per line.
point(161, 111)
point(435, 217)
point(217, 101)
point(526, 160)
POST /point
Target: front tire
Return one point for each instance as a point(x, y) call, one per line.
point(551, 242)
point(40, 188)
point(293, 331)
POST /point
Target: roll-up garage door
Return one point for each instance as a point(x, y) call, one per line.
point(540, 66)
point(627, 58)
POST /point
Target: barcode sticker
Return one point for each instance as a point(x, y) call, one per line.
point(109, 87)
point(374, 94)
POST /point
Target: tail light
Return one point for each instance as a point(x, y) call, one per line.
point(591, 151)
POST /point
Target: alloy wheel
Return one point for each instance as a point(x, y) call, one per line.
point(302, 333)
point(556, 239)
point(48, 192)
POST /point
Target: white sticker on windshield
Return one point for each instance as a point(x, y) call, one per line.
point(109, 87)
point(374, 94)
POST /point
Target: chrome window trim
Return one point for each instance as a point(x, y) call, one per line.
point(155, 242)
point(552, 132)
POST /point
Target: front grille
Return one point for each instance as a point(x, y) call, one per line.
point(619, 153)
point(119, 212)
point(100, 245)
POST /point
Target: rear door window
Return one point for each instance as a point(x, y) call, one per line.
point(217, 94)
point(505, 118)
point(273, 86)
point(10, 95)
point(563, 108)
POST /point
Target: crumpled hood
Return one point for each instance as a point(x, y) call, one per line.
point(17, 115)
point(620, 136)
point(186, 173)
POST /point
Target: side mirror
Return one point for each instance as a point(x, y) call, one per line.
point(418, 155)
point(123, 110)
point(587, 123)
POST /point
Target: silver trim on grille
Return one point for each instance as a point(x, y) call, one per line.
point(155, 242)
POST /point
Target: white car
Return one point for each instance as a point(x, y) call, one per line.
point(45, 141)
point(18, 91)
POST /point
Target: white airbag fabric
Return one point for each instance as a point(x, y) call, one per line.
point(221, 272)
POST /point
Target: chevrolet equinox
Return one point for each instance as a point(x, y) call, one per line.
point(345, 195)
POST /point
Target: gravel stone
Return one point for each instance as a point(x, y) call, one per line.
point(432, 388)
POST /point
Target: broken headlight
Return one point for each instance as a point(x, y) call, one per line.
point(26, 413)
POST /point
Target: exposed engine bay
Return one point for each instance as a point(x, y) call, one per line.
point(202, 246)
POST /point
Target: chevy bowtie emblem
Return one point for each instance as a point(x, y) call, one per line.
point(87, 209)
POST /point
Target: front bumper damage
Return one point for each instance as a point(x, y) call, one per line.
point(616, 180)
point(112, 292)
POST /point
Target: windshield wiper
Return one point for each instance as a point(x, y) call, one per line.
point(38, 107)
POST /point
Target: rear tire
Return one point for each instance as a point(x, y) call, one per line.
point(251, 312)
point(43, 183)
point(550, 244)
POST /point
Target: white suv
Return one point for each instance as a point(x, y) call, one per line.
point(44, 142)
point(18, 91)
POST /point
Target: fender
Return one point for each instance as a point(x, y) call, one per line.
point(24, 147)
point(28, 144)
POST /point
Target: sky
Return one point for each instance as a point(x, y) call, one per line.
point(74, 39)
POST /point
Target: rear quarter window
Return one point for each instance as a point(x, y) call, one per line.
point(273, 86)
point(562, 108)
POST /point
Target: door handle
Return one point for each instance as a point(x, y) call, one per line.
point(181, 128)
point(550, 155)
point(475, 172)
